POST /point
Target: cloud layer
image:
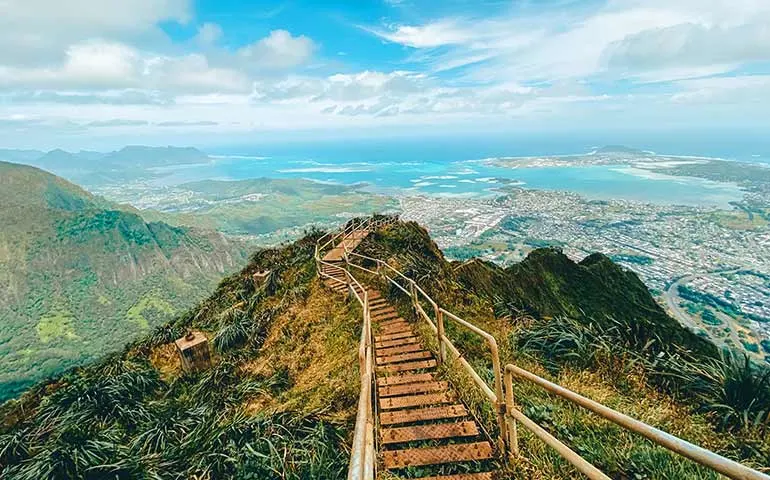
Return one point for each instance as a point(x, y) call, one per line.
point(110, 67)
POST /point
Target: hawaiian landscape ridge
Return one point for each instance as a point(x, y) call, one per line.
point(384, 239)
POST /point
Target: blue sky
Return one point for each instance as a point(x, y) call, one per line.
point(92, 73)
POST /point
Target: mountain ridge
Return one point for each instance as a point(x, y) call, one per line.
point(74, 268)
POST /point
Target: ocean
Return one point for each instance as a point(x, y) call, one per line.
point(453, 168)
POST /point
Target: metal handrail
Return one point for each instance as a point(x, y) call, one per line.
point(686, 449)
point(362, 458)
point(502, 396)
point(414, 292)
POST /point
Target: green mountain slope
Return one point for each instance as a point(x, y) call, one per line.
point(79, 278)
point(279, 400)
point(548, 284)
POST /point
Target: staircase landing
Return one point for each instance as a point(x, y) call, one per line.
point(350, 242)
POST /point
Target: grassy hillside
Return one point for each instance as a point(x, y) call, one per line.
point(280, 397)
point(79, 278)
point(278, 401)
point(594, 328)
point(548, 284)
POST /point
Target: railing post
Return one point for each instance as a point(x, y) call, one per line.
point(513, 437)
point(440, 332)
point(413, 293)
point(501, 407)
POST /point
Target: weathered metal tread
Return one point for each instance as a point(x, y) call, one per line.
point(382, 309)
point(462, 476)
point(382, 317)
point(408, 366)
point(459, 452)
point(410, 347)
point(423, 414)
point(412, 388)
point(393, 336)
point(389, 322)
point(404, 357)
point(404, 379)
point(395, 328)
point(397, 343)
point(434, 431)
point(391, 403)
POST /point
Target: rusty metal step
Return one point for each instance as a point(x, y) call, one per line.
point(404, 357)
point(414, 457)
point(411, 347)
point(408, 366)
point(423, 414)
point(462, 476)
point(390, 321)
point(394, 328)
point(434, 431)
point(396, 343)
point(381, 317)
point(407, 401)
point(404, 379)
point(393, 336)
point(412, 388)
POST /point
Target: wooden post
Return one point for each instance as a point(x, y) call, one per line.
point(193, 350)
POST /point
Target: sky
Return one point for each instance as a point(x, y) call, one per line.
point(90, 73)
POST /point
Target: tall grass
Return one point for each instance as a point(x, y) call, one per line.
point(734, 391)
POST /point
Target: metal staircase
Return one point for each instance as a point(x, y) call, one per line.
point(420, 421)
point(409, 421)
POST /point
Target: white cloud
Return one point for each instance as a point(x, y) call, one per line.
point(37, 32)
point(192, 74)
point(437, 34)
point(93, 64)
point(689, 44)
point(208, 34)
point(646, 37)
point(752, 89)
point(279, 50)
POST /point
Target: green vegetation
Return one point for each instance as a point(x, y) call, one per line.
point(709, 318)
point(594, 328)
point(264, 205)
point(707, 299)
point(56, 325)
point(278, 401)
point(80, 278)
point(750, 346)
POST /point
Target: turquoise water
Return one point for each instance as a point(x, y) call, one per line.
point(464, 178)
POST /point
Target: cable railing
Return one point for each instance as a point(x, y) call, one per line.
point(501, 397)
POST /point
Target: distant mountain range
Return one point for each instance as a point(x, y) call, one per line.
point(91, 168)
point(80, 277)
